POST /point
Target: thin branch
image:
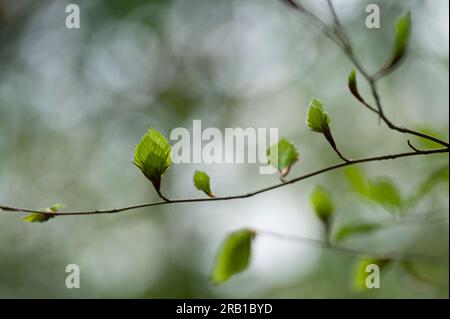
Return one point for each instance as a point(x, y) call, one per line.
point(329, 137)
point(370, 107)
point(341, 156)
point(339, 28)
point(242, 196)
point(344, 43)
point(349, 251)
point(414, 148)
point(317, 22)
point(395, 127)
point(164, 198)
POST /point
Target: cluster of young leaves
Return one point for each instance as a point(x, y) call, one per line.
point(325, 210)
point(385, 193)
point(235, 252)
point(152, 156)
point(379, 190)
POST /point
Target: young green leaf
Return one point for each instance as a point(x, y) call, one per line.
point(384, 191)
point(318, 121)
point(350, 230)
point(282, 156)
point(317, 118)
point(357, 180)
point(234, 255)
point(41, 218)
point(202, 182)
point(381, 190)
point(152, 156)
point(362, 270)
point(322, 204)
point(353, 86)
point(402, 34)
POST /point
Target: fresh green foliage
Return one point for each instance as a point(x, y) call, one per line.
point(353, 85)
point(402, 34)
point(282, 156)
point(426, 143)
point(360, 270)
point(317, 118)
point(202, 182)
point(322, 204)
point(383, 191)
point(349, 230)
point(357, 180)
point(380, 190)
point(41, 218)
point(437, 177)
point(152, 156)
point(234, 255)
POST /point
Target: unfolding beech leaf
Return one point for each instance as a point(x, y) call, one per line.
point(357, 180)
point(383, 191)
point(41, 218)
point(349, 230)
point(353, 85)
point(234, 255)
point(152, 156)
point(322, 204)
point(402, 33)
point(317, 118)
point(380, 190)
point(366, 272)
point(202, 182)
point(282, 156)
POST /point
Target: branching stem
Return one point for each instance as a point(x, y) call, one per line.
point(241, 196)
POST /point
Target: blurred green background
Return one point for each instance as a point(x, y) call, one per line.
point(74, 103)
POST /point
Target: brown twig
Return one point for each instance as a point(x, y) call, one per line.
point(242, 196)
